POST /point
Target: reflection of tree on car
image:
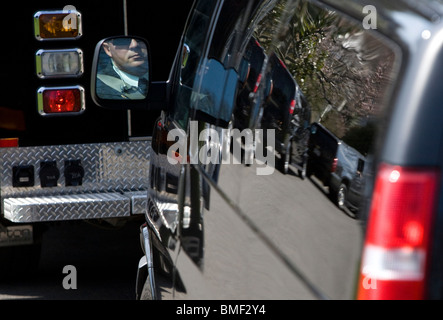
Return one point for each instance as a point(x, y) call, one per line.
point(286, 111)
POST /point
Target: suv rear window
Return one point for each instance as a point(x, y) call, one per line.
point(344, 70)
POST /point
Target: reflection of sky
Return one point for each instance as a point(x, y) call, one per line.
point(217, 90)
point(409, 30)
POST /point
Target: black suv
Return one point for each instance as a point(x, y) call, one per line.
point(338, 165)
point(371, 75)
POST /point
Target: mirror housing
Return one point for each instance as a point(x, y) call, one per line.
point(120, 77)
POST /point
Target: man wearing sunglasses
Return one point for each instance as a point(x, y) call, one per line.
point(124, 72)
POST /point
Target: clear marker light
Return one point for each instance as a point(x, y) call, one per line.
point(59, 63)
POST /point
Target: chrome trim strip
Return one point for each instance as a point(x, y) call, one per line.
point(150, 262)
point(66, 207)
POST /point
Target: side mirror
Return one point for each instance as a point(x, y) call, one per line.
point(120, 77)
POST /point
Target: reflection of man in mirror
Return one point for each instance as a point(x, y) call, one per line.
point(126, 74)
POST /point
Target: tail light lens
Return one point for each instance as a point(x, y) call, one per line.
point(396, 251)
point(257, 83)
point(334, 165)
point(292, 106)
point(62, 100)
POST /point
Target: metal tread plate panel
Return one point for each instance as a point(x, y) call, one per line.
point(110, 169)
point(139, 201)
point(69, 207)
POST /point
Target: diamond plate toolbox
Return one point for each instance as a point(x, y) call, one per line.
point(114, 181)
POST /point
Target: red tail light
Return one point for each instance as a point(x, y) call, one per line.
point(257, 83)
point(334, 165)
point(292, 106)
point(396, 251)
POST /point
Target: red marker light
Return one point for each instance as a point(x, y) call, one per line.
point(9, 143)
point(63, 100)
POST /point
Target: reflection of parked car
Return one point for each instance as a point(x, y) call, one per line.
point(337, 165)
point(287, 112)
point(246, 111)
point(323, 146)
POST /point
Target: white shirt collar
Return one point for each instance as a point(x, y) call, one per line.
point(129, 79)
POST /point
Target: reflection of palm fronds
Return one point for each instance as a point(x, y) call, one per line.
point(335, 62)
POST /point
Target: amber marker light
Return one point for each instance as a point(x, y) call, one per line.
point(57, 25)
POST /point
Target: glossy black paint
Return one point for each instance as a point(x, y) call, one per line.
point(274, 236)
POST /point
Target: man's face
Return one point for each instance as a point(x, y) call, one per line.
point(129, 55)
